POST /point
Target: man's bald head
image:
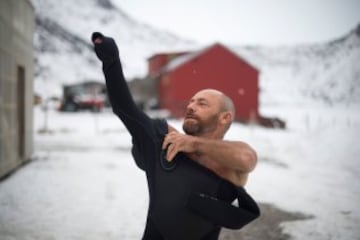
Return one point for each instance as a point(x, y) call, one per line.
point(225, 102)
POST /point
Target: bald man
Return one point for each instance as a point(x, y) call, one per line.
point(208, 116)
point(193, 178)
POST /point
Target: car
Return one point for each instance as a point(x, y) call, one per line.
point(84, 96)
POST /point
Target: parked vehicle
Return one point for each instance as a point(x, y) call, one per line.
point(84, 96)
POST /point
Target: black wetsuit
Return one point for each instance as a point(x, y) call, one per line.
point(187, 201)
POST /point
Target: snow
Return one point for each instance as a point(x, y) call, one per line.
point(322, 174)
point(83, 183)
point(69, 27)
point(327, 72)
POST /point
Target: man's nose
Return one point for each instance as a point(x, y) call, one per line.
point(190, 107)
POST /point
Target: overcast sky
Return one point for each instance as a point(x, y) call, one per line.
point(266, 22)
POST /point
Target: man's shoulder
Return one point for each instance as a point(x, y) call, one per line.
point(160, 125)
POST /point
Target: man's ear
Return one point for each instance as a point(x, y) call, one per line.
point(226, 117)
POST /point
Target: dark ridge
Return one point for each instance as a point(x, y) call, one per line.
point(107, 4)
point(49, 27)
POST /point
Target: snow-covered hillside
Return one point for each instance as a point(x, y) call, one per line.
point(327, 72)
point(322, 73)
point(64, 53)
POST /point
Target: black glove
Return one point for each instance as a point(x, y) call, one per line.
point(107, 50)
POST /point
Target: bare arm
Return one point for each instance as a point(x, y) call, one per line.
point(235, 155)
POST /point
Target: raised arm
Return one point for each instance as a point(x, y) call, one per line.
point(121, 100)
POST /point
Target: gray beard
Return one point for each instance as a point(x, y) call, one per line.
point(191, 127)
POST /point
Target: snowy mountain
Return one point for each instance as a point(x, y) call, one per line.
point(327, 73)
point(64, 53)
point(324, 73)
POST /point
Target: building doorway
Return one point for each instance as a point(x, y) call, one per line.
point(21, 110)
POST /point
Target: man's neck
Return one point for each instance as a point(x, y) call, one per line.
point(215, 135)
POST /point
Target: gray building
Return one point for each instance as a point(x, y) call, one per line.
point(16, 83)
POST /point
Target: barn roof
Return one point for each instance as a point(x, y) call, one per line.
point(167, 54)
point(179, 61)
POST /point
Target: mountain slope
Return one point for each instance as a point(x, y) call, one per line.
point(324, 73)
point(63, 49)
point(327, 73)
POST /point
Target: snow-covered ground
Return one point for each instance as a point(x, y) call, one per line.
point(83, 183)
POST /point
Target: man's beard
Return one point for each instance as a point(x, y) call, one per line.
point(191, 126)
point(196, 127)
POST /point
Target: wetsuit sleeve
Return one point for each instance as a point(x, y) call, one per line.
point(123, 105)
point(223, 213)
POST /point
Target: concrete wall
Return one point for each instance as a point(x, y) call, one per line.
point(16, 83)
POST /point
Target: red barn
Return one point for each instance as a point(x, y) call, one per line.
point(181, 75)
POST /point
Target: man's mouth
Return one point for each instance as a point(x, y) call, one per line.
point(190, 116)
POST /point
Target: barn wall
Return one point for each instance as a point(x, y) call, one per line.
point(216, 68)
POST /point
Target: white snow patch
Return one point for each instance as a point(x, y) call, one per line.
point(84, 184)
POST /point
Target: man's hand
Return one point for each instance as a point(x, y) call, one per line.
point(97, 38)
point(235, 155)
point(105, 47)
point(176, 142)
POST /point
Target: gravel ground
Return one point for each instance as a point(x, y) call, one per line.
point(266, 227)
